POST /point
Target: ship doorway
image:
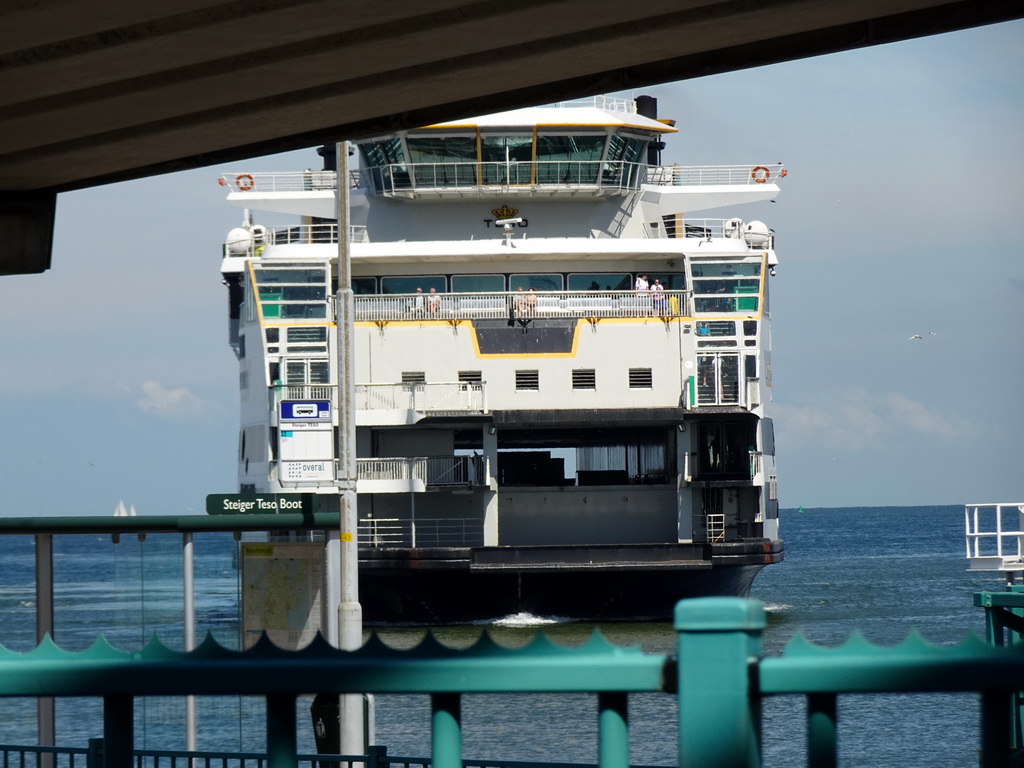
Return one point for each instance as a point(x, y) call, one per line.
point(725, 450)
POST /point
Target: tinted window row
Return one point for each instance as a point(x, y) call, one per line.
point(553, 281)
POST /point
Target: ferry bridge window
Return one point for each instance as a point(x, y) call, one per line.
point(364, 286)
point(410, 284)
point(384, 161)
point(506, 159)
point(600, 281)
point(728, 269)
point(569, 159)
point(539, 282)
point(443, 160)
point(265, 276)
point(628, 152)
point(478, 283)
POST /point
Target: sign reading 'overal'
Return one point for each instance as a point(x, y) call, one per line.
point(260, 503)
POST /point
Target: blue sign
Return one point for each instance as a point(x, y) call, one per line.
point(305, 410)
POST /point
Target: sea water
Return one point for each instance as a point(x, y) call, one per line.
point(882, 571)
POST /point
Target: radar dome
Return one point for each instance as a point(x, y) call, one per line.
point(239, 241)
point(757, 234)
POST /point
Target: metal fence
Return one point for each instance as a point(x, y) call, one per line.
point(718, 674)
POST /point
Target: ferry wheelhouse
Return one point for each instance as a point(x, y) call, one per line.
point(562, 375)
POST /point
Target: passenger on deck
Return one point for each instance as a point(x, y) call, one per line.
point(530, 303)
point(417, 303)
point(658, 297)
point(433, 301)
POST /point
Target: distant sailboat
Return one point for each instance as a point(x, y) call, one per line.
point(120, 511)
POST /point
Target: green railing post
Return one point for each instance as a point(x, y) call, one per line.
point(446, 730)
point(612, 730)
point(94, 755)
point(281, 743)
point(118, 731)
point(718, 637)
point(822, 745)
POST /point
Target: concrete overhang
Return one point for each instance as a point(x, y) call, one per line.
point(103, 91)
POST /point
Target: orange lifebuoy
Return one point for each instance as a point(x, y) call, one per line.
point(760, 179)
point(245, 182)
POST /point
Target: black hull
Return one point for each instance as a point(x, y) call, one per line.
point(459, 586)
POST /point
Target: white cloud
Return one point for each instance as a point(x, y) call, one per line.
point(855, 419)
point(177, 404)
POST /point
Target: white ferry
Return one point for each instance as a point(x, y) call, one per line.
point(562, 375)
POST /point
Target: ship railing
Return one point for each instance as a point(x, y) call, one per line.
point(459, 396)
point(421, 532)
point(431, 471)
point(424, 397)
point(520, 305)
point(302, 234)
point(598, 176)
point(995, 537)
point(710, 464)
point(291, 181)
point(607, 103)
point(715, 175)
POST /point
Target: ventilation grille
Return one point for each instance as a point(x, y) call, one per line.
point(414, 377)
point(640, 378)
point(473, 377)
point(584, 378)
point(527, 380)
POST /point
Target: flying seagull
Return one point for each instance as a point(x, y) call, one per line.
point(915, 336)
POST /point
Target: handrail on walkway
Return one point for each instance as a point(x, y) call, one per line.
point(719, 674)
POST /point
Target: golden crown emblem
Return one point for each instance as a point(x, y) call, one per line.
point(504, 212)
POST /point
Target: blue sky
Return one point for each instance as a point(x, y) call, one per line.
point(900, 216)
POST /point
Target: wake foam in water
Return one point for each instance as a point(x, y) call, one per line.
point(525, 620)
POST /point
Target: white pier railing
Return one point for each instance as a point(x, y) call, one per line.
point(995, 537)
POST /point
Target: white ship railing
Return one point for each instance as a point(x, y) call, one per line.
point(462, 396)
point(311, 233)
point(715, 175)
point(520, 305)
point(607, 103)
point(421, 532)
point(432, 471)
point(994, 537)
point(614, 175)
point(697, 466)
point(289, 181)
point(458, 396)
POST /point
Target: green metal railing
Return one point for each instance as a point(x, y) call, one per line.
point(719, 676)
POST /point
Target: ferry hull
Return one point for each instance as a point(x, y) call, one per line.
point(441, 586)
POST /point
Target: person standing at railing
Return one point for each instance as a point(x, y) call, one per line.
point(433, 301)
point(642, 288)
point(417, 302)
point(658, 297)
